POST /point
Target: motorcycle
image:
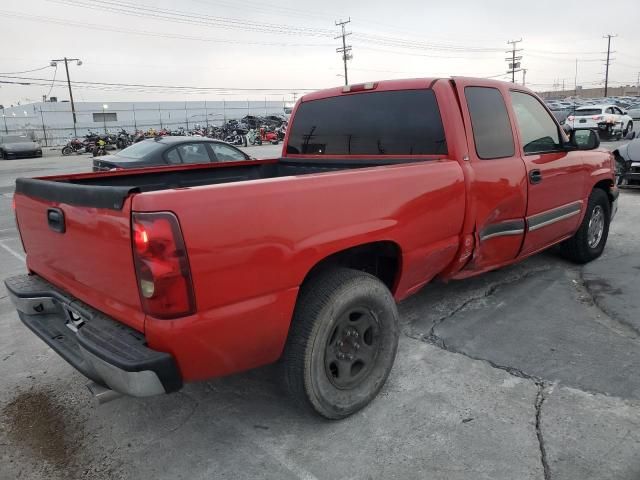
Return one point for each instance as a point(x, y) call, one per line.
point(236, 139)
point(254, 137)
point(123, 139)
point(269, 136)
point(74, 146)
point(100, 148)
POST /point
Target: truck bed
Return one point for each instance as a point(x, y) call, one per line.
point(102, 190)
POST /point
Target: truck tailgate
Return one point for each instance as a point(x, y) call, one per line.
point(80, 241)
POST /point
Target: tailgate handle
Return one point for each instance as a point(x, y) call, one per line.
point(55, 219)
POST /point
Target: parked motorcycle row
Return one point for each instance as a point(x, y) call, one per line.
point(250, 130)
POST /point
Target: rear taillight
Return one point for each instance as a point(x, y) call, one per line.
point(597, 117)
point(162, 266)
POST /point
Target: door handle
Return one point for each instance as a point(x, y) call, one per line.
point(535, 176)
point(55, 219)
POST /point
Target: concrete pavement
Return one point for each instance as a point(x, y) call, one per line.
point(529, 372)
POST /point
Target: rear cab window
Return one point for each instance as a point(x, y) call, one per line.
point(400, 122)
point(492, 132)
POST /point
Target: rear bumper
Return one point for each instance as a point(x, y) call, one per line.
point(102, 349)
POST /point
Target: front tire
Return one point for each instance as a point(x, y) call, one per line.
point(589, 241)
point(342, 342)
point(67, 151)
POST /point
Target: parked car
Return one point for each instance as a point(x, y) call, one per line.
point(634, 111)
point(170, 150)
point(628, 164)
point(609, 120)
point(18, 146)
point(157, 277)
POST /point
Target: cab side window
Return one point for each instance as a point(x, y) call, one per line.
point(538, 131)
point(172, 156)
point(492, 133)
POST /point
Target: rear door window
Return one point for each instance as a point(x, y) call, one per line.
point(194, 153)
point(492, 133)
point(402, 122)
point(225, 153)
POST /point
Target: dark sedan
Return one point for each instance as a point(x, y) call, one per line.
point(18, 146)
point(628, 164)
point(162, 151)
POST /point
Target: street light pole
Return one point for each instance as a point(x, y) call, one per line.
point(4, 117)
point(104, 116)
point(66, 67)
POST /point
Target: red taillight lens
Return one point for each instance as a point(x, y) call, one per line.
point(571, 118)
point(162, 266)
point(597, 117)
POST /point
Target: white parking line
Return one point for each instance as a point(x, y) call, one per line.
point(18, 255)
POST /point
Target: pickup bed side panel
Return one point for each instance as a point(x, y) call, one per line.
point(251, 244)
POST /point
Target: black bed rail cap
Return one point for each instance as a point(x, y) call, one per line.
point(97, 196)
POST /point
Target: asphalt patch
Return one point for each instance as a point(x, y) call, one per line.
point(541, 327)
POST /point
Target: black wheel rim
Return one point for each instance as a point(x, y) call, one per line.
point(352, 348)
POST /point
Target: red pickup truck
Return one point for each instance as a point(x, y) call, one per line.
point(149, 278)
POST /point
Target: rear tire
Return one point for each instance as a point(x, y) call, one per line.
point(2, 155)
point(342, 342)
point(589, 241)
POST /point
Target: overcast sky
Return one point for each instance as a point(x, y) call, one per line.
point(289, 46)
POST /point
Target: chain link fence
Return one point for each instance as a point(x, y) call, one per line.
point(51, 124)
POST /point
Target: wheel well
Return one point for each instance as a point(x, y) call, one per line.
point(380, 259)
point(605, 185)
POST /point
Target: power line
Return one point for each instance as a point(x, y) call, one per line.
point(345, 50)
point(26, 71)
point(93, 26)
point(167, 87)
point(174, 16)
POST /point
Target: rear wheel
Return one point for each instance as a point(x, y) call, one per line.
point(2, 155)
point(589, 241)
point(342, 342)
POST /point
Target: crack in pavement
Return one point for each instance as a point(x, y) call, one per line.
point(540, 398)
point(490, 290)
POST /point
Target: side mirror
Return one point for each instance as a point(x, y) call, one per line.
point(584, 139)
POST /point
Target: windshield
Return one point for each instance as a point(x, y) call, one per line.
point(587, 112)
point(139, 150)
point(15, 139)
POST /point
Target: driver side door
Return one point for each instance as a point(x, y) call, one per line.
point(556, 177)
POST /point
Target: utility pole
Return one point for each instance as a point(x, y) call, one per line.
point(44, 131)
point(575, 81)
point(524, 76)
point(345, 50)
point(66, 67)
point(606, 72)
point(638, 85)
point(514, 61)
